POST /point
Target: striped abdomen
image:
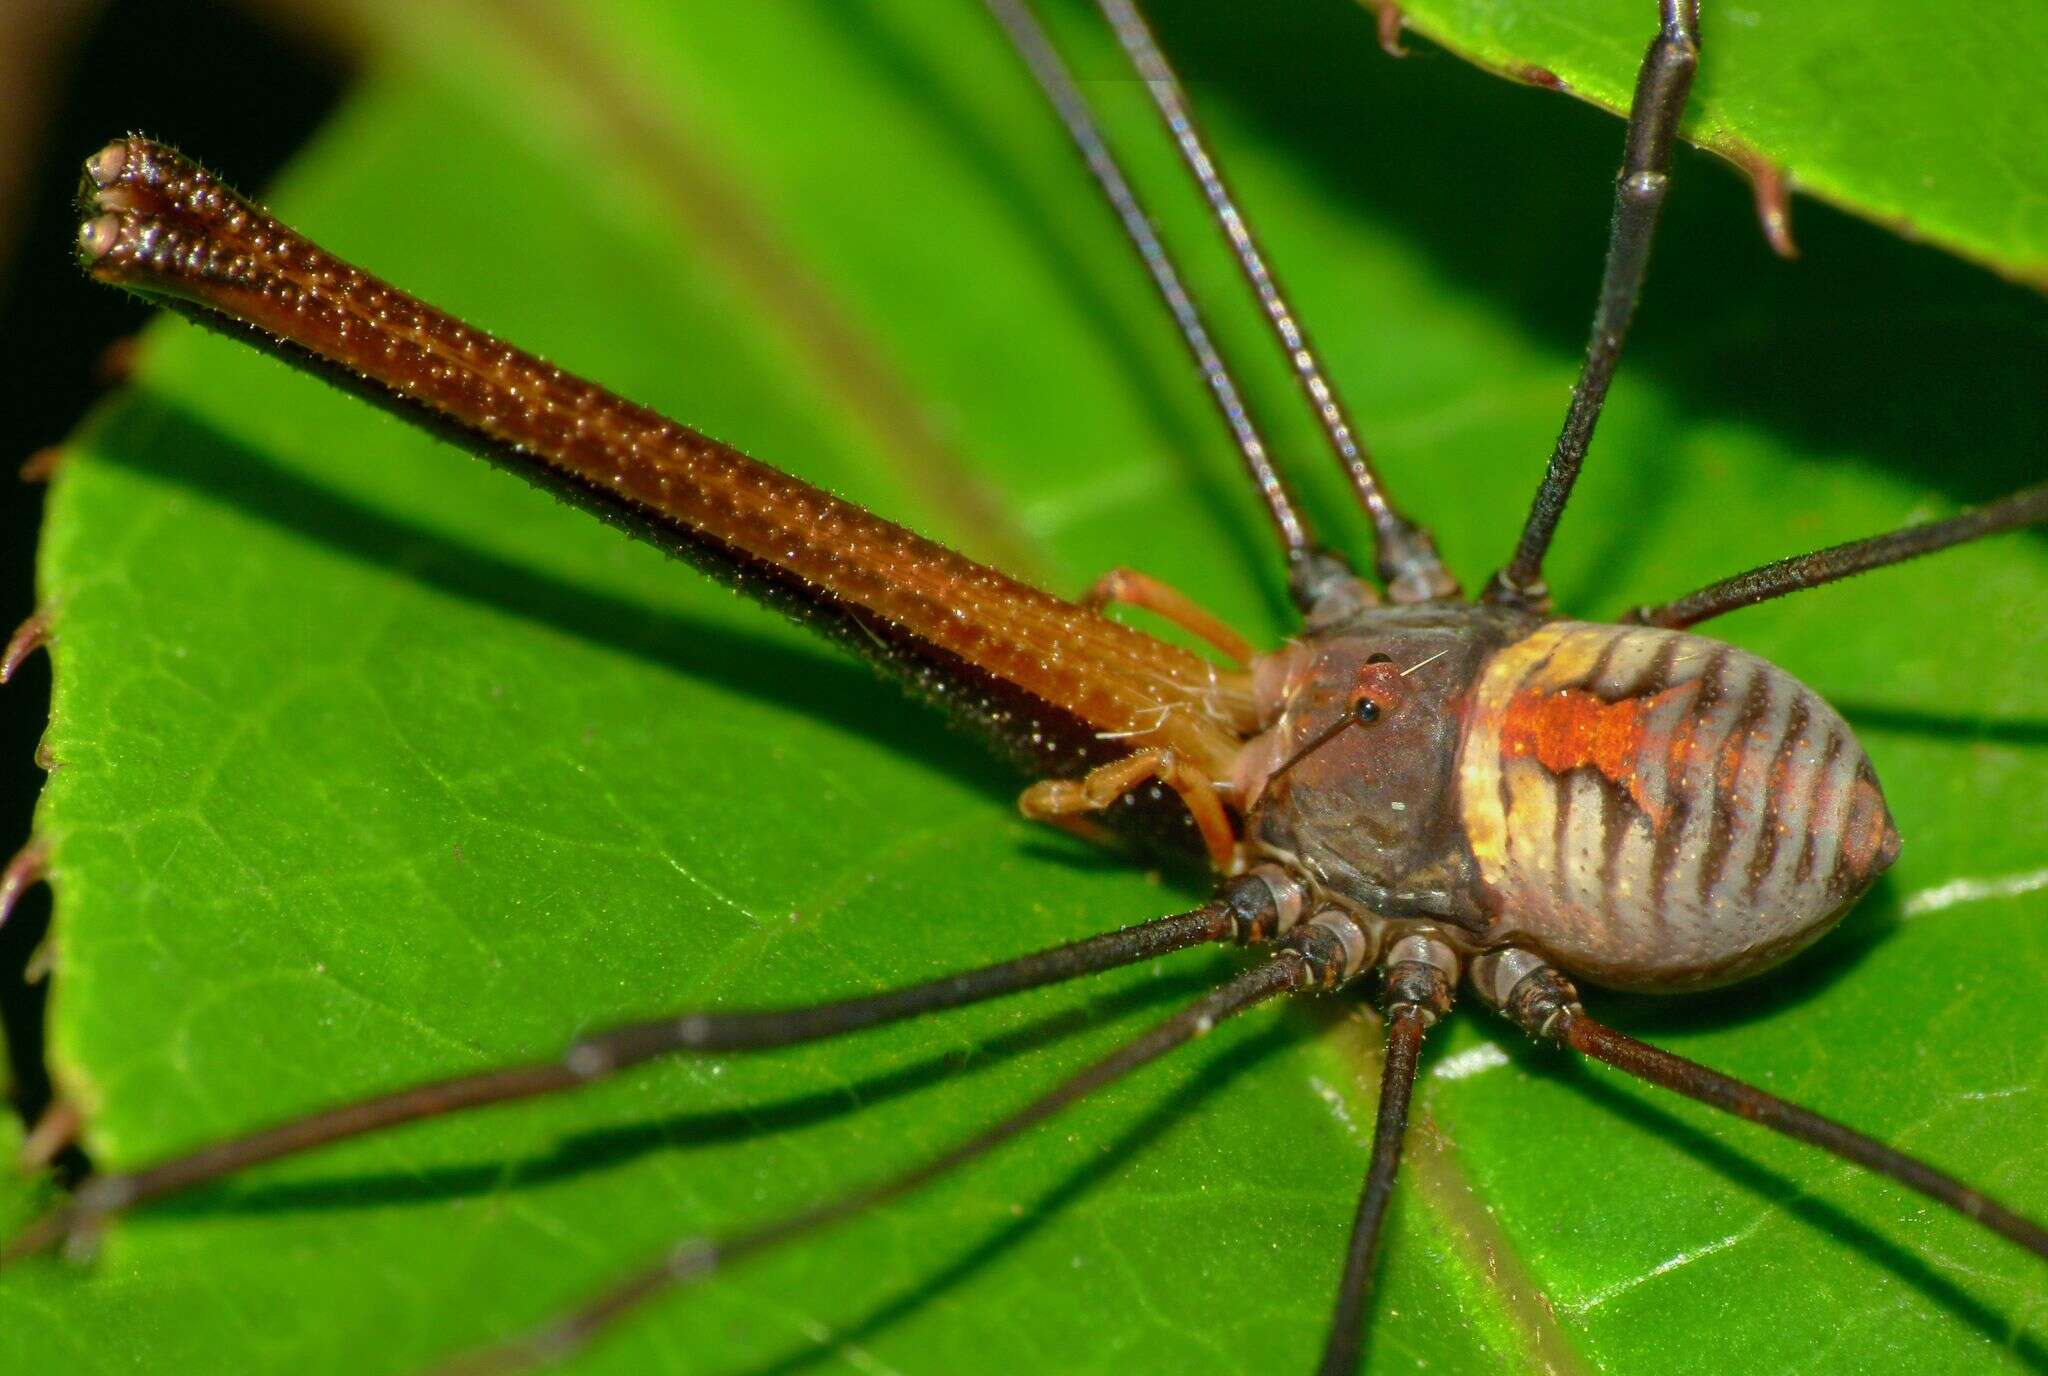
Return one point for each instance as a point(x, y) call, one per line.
point(1657, 810)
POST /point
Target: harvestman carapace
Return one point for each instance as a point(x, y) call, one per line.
point(1430, 789)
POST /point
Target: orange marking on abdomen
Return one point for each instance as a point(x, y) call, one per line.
point(1570, 728)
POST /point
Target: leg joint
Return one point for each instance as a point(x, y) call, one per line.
point(1419, 971)
point(1527, 990)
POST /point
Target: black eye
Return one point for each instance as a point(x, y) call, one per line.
point(1379, 659)
point(1365, 712)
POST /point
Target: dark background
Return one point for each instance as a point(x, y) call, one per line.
point(247, 85)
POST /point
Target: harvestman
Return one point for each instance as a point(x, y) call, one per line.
point(1427, 788)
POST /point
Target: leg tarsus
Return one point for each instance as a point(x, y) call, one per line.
point(1773, 205)
point(42, 465)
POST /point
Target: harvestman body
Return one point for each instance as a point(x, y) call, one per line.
point(1420, 786)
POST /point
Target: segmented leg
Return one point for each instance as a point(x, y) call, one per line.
point(31, 635)
point(1060, 800)
point(2027, 507)
point(1246, 910)
point(1324, 953)
point(1406, 557)
point(1130, 588)
point(1290, 525)
point(1661, 87)
point(1542, 1002)
point(1420, 974)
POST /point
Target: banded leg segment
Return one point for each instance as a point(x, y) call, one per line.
point(1420, 975)
point(1662, 84)
point(1246, 910)
point(1540, 1000)
point(1061, 801)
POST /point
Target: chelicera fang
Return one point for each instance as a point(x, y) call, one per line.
point(1427, 789)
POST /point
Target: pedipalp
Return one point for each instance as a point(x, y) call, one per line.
point(1620, 723)
point(1129, 588)
point(1053, 800)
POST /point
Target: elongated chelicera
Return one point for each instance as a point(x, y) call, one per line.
point(1434, 791)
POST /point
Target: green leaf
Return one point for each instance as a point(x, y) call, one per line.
point(375, 765)
point(1923, 119)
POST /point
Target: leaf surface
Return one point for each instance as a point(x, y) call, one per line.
point(1923, 119)
point(376, 765)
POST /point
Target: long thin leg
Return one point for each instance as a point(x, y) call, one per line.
point(1544, 1003)
point(1696, 1081)
point(1028, 36)
point(1309, 962)
point(1346, 1340)
point(1405, 556)
point(1241, 913)
point(1421, 973)
point(1661, 88)
point(2024, 508)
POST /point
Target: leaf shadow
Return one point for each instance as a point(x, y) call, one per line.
point(1213, 1078)
point(1505, 190)
point(1903, 720)
point(1627, 1101)
point(1164, 396)
point(596, 1150)
point(155, 437)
